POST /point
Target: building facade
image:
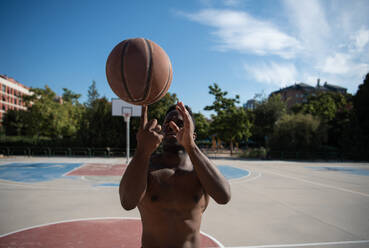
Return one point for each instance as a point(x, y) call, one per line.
point(299, 92)
point(11, 95)
point(250, 104)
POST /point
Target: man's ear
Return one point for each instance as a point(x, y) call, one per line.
point(194, 136)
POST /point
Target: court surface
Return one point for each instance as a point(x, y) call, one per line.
point(274, 204)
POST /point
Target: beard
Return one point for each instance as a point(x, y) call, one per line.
point(171, 144)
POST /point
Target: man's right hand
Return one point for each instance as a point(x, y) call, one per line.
point(148, 136)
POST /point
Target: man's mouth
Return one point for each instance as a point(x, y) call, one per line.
point(171, 134)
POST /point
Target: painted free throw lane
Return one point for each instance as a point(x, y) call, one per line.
point(102, 233)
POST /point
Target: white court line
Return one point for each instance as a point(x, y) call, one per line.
point(245, 179)
point(98, 218)
point(304, 244)
point(321, 184)
point(71, 171)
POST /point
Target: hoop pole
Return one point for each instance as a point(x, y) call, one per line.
point(127, 137)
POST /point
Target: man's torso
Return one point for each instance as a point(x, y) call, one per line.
point(172, 208)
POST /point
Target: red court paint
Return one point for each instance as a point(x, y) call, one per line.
point(102, 233)
point(98, 170)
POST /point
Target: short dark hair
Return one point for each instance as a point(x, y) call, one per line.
point(173, 107)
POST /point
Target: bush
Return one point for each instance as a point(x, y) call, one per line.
point(260, 153)
point(300, 132)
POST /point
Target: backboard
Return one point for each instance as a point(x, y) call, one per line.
point(120, 107)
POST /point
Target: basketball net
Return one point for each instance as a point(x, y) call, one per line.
point(126, 116)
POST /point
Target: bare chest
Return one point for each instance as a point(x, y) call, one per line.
point(174, 189)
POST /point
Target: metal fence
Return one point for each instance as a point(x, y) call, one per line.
point(121, 152)
point(64, 151)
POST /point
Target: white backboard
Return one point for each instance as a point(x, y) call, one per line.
point(120, 107)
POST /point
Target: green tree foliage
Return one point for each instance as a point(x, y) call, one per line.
point(221, 102)
point(202, 126)
point(265, 115)
point(46, 116)
point(361, 103)
point(335, 112)
point(99, 128)
point(324, 105)
point(360, 125)
point(231, 123)
point(296, 132)
point(92, 94)
point(15, 122)
point(70, 96)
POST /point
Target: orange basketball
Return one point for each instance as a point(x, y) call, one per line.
point(139, 71)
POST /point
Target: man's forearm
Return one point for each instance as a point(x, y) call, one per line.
point(133, 185)
point(210, 177)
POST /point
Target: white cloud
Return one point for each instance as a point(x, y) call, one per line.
point(361, 38)
point(237, 30)
point(337, 64)
point(309, 21)
point(327, 38)
point(343, 64)
point(273, 73)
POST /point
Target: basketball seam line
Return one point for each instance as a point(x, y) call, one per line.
point(166, 84)
point(149, 72)
point(122, 70)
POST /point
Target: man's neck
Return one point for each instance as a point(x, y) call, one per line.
point(175, 158)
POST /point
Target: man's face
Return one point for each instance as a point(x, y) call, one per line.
point(169, 134)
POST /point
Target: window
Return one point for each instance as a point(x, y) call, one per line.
point(4, 88)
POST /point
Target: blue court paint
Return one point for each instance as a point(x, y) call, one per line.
point(232, 172)
point(108, 185)
point(35, 172)
point(348, 170)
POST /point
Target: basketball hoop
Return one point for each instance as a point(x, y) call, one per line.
point(127, 116)
point(127, 110)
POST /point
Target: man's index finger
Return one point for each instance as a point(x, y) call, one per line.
point(143, 120)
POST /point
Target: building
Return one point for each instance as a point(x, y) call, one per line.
point(250, 104)
point(11, 95)
point(299, 92)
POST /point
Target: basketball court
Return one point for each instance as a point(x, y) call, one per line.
point(74, 202)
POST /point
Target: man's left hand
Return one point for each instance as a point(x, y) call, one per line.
point(185, 134)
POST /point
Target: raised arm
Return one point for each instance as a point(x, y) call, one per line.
point(210, 177)
point(133, 184)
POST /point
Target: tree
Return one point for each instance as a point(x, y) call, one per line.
point(99, 128)
point(221, 102)
point(14, 122)
point(296, 132)
point(92, 95)
point(70, 96)
point(335, 112)
point(265, 115)
point(231, 123)
point(361, 123)
point(361, 103)
point(47, 117)
point(202, 126)
point(325, 105)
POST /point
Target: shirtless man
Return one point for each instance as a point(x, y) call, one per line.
point(172, 189)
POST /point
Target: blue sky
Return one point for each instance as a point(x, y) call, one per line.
point(246, 47)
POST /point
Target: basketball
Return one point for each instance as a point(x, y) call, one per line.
point(139, 71)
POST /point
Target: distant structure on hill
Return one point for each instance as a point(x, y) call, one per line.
point(250, 104)
point(11, 95)
point(299, 92)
